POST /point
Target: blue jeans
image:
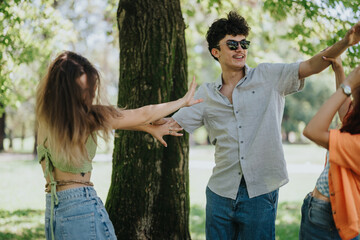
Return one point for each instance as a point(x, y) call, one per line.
point(317, 221)
point(80, 214)
point(243, 218)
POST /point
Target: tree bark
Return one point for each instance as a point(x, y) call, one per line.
point(2, 129)
point(148, 197)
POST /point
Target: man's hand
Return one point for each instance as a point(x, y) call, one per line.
point(352, 37)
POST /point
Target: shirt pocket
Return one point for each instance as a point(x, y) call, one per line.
point(254, 102)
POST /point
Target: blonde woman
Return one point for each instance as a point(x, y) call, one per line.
point(69, 121)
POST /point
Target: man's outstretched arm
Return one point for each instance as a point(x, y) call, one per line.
point(316, 64)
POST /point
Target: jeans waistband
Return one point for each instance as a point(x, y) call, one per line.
point(318, 202)
point(74, 193)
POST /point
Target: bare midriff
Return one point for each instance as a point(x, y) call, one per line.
point(66, 180)
point(318, 195)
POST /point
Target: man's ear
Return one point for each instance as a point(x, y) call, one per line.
point(215, 52)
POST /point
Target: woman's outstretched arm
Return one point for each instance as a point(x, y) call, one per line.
point(147, 114)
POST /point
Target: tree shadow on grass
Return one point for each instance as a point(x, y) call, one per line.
point(22, 224)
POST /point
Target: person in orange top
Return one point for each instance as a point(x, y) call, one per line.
point(332, 210)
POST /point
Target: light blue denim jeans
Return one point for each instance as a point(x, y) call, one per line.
point(317, 222)
point(80, 214)
point(243, 218)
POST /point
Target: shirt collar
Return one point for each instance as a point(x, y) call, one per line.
point(218, 82)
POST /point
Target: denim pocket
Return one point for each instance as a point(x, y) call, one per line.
point(81, 226)
point(320, 217)
point(76, 220)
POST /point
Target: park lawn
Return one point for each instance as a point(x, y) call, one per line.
point(23, 198)
point(29, 223)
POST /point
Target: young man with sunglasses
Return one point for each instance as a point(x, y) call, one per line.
point(242, 112)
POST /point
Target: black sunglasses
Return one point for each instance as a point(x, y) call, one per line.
point(234, 45)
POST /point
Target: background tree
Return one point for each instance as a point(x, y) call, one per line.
point(30, 33)
point(148, 197)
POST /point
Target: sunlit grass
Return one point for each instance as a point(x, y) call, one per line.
point(288, 221)
point(29, 224)
point(22, 224)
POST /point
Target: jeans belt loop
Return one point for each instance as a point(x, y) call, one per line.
point(87, 192)
point(310, 200)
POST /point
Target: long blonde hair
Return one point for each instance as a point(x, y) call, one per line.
point(66, 111)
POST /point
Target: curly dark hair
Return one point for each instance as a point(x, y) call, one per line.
point(233, 25)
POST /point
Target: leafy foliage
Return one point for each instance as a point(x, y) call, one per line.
point(30, 32)
point(287, 31)
point(317, 24)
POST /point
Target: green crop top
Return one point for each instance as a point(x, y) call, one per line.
point(50, 163)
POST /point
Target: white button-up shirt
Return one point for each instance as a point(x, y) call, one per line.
point(246, 133)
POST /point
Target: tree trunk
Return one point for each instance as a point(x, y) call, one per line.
point(2, 130)
point(148, 197)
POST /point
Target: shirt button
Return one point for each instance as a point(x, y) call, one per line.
point(237, 112)
point(239, 173)
point(241, 141)
point(332, 194)
point(239, 126)
point(242, 157)
point(253, 91)
point(334, 212)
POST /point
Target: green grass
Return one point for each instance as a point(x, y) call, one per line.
point(22, 224)
point(287, 221)
point(29, 223)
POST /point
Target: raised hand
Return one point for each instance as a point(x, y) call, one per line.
point(352, 37)
point(189, 96)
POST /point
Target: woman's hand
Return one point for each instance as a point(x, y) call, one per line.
point(352, 37)
point(336, 63)
point(170, 127)
point(189, 96)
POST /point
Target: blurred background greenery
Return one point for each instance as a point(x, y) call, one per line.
point(32, 32)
